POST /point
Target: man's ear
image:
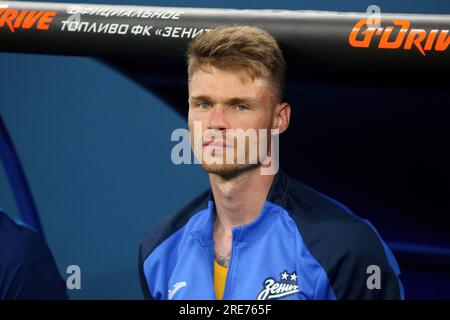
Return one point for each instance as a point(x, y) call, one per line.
point(282, 116)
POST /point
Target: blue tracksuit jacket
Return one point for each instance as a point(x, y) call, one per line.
point(303, 245)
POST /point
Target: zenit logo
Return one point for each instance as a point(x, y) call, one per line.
point(286, 286)
point(25, 19)
point(402, 36)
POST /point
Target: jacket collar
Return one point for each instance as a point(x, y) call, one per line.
point(278, 189)
point(253, 231)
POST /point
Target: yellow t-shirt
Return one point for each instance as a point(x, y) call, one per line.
point(220, 278)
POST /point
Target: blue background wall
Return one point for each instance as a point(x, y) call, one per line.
point(96, 151)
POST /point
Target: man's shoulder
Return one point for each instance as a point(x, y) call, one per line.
point(331, 230)
point(168, 226)
point(344, 244)
point(320, 216)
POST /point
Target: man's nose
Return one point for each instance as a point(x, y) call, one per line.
point(218, 118)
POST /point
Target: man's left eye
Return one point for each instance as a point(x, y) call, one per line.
point(241, 107)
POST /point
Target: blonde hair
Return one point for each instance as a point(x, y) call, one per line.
point(239, 48)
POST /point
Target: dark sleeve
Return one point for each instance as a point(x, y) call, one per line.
point(363, 268)
point(38, 280)
point(27, 268)
point(345, 245)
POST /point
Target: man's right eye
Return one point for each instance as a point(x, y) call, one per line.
point(203, 105)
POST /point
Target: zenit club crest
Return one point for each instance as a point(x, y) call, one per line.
point(286, 286)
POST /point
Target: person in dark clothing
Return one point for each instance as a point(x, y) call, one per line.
point(27, 268)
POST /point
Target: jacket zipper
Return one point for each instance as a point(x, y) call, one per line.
point(208, 260)
point(234, 242)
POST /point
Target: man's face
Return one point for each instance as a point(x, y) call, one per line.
point(220, 100)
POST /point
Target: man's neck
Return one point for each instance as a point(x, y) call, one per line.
point(239, 200)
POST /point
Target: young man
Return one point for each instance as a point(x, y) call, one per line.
point(256, 235)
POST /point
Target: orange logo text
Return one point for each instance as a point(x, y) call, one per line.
point(399, 35)
point(25, 19)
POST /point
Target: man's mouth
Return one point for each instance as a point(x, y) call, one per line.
point(216, 144)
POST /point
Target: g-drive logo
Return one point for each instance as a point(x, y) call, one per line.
point(15, 19)
point(398, 35)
